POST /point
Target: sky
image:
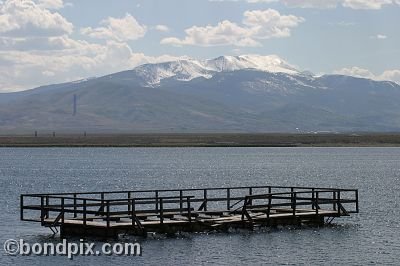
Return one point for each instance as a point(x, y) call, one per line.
point(53, 41)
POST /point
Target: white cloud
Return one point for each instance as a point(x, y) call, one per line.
point(248, 1)
point(162, 28)
point(379, 37)
point(321, 4)
point(388, 75)
point(355, 72)
point(324, 4)
point(266, 24)
point(48, 73)
point(26, 18)
point(257, 25)
point(343, 24)
point(50, 4)
point(37, 46)
point(393, 75)
point(28, 69)
point(224, 33)
point(120, 29)
point(261, 1)
point(366, 4)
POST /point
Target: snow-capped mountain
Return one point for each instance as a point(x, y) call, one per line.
point(246, 93)
point(270, 63)
point(188, 69)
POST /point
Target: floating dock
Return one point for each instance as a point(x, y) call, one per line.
point(108, 214)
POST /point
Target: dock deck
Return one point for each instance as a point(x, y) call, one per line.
point(139, 212)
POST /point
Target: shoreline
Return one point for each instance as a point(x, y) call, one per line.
point(204, 140)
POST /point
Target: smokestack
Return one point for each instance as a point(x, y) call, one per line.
point(75, 99)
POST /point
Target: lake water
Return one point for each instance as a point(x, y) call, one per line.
point(371, 237)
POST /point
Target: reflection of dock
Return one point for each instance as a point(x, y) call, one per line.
point(193, 210)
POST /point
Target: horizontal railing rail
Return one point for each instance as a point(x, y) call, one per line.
point(183, 189)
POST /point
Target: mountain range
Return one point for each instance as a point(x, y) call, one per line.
point(247, 93)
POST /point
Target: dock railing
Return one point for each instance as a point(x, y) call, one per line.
point(137, 205)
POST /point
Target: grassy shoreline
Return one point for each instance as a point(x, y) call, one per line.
point(205, 140)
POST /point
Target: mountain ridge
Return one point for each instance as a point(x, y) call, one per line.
point(226, 94)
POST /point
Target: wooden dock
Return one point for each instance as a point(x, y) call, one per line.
point(107, 214)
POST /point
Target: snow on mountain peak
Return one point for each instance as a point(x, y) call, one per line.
point(188, 69)
point(182, 69)
point(269, 63)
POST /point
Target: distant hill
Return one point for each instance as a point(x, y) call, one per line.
point(226, 94)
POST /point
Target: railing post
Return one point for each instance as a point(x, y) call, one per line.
point(338, 202)
point(62, 211)
point(47, 206)
point(102, 201)
point(21, 207)
point(313, 198)
point(228, 199)
point(133, 210)
point(250, 193)
point(108, 214)
point(129, 202)
point(75, 214)
point(316, 202)
point(161, 211)
point(42, 210)
point(205, 199)
point(189, 209)
point(291, 198)
point(244, 208)
point(356, 194)
point(269, 205)
point(294, 197)
point(84, 213)
point(180, 200)
point(334, 200)
point(156, 192)
point(269, 189)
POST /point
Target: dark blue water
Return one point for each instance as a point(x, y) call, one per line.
point(371, 237)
